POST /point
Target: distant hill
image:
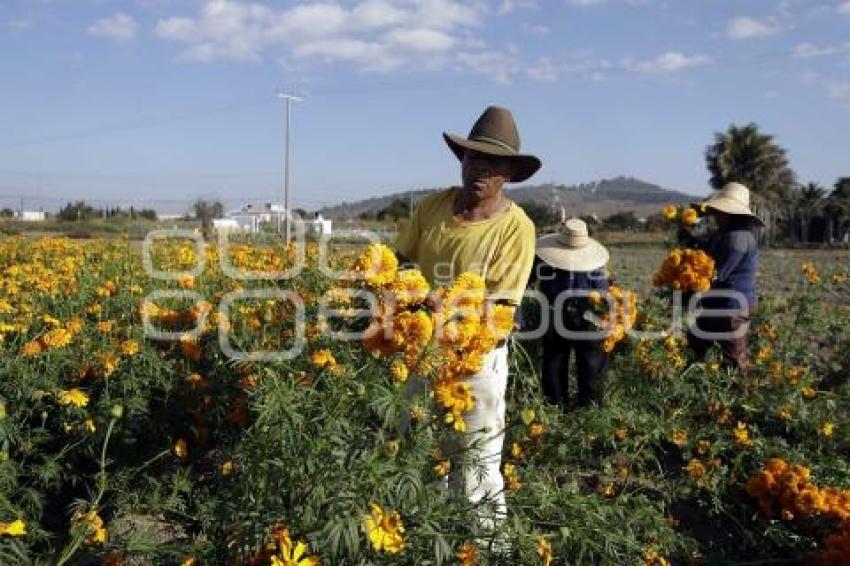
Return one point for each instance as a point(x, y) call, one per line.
point(603, 197)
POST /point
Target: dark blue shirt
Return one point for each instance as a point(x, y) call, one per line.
point(553, 281)
point(736, 258)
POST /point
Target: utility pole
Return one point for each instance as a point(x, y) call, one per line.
point(289, 98)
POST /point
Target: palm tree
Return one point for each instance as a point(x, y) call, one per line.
point(838, 209)
point(809, 204)
point(745, 155)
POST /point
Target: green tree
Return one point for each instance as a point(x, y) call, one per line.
point(398, 208)
point(745, 155)
point(542, 215)
point(205, 211)
point(838, 209)
point(808, 204)
point(78, 210)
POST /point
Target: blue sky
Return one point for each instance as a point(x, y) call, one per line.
point(174, 99)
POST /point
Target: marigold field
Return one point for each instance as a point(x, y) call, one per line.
point(120, 445)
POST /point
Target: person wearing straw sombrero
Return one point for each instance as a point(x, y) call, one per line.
point(734, 247)
point(477, 228)
point(571, 265)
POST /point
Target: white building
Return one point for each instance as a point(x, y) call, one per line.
point(32, 215)
point(251, 218)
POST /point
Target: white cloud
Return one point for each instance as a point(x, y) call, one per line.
point(370, 56)
point(421, 39)
point(543, 70)
point(497, 66)
point(844, 7)
point(667, 63)
point(807, 50)
point(583, 3)
point(376, 14)
point(509, 6)
point(745, 27)
point(119, 27)
point(361, 32)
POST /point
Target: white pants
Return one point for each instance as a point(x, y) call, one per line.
point(480, 475)
point(476, 470)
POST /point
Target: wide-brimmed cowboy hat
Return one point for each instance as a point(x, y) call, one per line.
point(495, 133)
point(572, 249)
point(733, 198)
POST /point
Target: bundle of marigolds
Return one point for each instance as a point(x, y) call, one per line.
point(685, 270)
point(618, 320)
point(785, 489)
point(443, 334)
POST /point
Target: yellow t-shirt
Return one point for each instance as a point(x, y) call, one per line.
point(500, 249)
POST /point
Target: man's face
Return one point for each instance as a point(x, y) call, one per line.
point(484, 174)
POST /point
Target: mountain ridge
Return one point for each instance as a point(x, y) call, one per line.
point(602, 197)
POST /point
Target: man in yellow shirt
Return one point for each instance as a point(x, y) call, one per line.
point(477, 228)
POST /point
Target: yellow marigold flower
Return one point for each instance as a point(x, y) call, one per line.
point(187, 282)
point(378, 265)
point(227, 468)
point(621, 433)
point(810, 272)
point(75, 397)
point(669, 212)
point(795, 374)
point(695, 469)
point(399, 371)
point(17, 528)
point(442, 468)
point(535, 430)
point(544, 551)
point(409, 287)
point(31, 348)
point(56, 338)
point(104, 325)
point(290, 554)
point(742, 435)
point(764, 353)
point(509, 471)
point(181, 448)
point(129, 347)
point(467, 554)
point(680, 437)
point(785, 413)
point(89, 425)
point(385, 529)
point(826, 429)
point(94, 309)
point(703, 446)
point(652, 558)
point(516, 451)
point(323, 358)
point(93, 523)
point(74, 326)
point(689, 216)
point(809, 392)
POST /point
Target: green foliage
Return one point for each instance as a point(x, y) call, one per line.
point(313, 448)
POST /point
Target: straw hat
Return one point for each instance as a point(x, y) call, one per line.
point(733, 198)
point(572, 249)
point(495, 133)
